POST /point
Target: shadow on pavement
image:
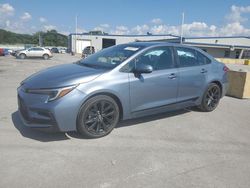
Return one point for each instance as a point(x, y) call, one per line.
point(36, 134)
point(135, 121)
point(45, 136)
point(151, 118)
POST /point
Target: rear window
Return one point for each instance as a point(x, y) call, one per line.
point(190, 57)
point(202, 59)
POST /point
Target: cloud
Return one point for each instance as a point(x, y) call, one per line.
point(6, 13)
point(7, 22)
point(102, 27)
point(235, 28)
point(140, 29)
point(156, 21)
point(49, 27)
point(6, 10)
point(26, 16)
point(120, 30)
point(81, 30)
point(105, 25)
point(236, 12)
point(42, 20)
point(235, 24)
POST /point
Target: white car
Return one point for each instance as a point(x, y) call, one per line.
point(62, 50)
point(34, 52)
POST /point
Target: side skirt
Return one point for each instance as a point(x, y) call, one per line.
point(166, 108)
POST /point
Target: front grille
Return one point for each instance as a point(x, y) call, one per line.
point(23, 109)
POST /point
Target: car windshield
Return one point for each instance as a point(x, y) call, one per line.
point(111, 57)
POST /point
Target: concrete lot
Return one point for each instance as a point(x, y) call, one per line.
point(180, 149)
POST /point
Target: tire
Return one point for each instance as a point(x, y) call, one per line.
point(211, 98)
point(45, 56)
point(22, 56)
point(98, 116)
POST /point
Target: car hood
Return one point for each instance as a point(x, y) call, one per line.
point(62, 75)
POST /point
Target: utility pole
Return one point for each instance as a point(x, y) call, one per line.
point(40, 39)
point(182, 23)
point(76, 35)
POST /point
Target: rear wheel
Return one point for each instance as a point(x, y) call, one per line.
point(211, 98)
point(98, 117)
point(45, 56)
point(22, 56)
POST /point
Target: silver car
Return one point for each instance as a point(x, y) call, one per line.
point(121, 82)
point(34, 52)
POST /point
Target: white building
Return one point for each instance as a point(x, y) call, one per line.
point(77, 42)
point(222, 47)
point(219, 47)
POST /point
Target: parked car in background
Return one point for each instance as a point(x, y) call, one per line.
point(2, 52)
point(88, 51)
point(121, 82)
point(14, 52)
point(7, 51)
point(34, 52)
point(62, 50)
point(54, 50)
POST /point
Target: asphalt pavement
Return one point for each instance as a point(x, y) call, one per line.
point(181, 149)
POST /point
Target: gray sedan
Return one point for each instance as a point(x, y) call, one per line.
point(121, 82)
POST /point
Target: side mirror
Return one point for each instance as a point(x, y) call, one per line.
point(141, 68)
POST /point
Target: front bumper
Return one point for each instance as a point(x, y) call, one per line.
point(59, 115)
point(35, 117)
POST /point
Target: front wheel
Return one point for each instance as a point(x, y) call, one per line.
point(45, 56)
point(211, 98)
point(98, 117)
point(22, 56)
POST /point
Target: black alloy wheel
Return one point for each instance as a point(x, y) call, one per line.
point(211, 98)
point(98, 116)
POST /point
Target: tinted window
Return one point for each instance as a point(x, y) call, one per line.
point(187, 57)
point(202, 59)
point(36, 49)
point(159, 58)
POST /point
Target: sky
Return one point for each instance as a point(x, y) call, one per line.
point(202, 18)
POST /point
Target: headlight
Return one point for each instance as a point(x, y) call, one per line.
point(53, 93)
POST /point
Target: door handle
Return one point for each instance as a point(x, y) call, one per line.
point(172, 76)
point(203, 71)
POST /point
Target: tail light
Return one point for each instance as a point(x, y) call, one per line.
point(225, 69)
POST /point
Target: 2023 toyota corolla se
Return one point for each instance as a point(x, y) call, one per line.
point(118, 83)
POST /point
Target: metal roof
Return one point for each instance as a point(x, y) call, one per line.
point(248, 37)
point(216, 45)
point(170, 35)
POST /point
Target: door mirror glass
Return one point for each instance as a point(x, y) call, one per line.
point(142, 68)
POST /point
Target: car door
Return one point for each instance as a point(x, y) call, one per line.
point(37, 52)
point(30, 52)
point(192, 74)
point(158, 88)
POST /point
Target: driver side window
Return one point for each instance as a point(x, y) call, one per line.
point(159, 58)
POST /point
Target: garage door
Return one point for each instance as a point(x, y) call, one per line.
point(81, 44)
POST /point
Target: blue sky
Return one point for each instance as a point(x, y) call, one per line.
point(202, 18)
